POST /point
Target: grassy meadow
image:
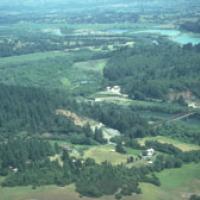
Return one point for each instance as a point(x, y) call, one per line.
point(105, 152)
point(63, 72)
point(162, 139)
point(176, 184)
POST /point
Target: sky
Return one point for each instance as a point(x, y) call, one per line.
point(35, 3)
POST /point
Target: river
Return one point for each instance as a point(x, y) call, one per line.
point(174, 35)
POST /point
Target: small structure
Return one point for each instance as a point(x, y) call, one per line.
point(115, 89)
point(67, 148)
point(151, 122)
point(193, 105)
point(15, 170)
point(150, 152)
point(155, 42)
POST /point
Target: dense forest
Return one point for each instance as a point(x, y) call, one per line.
point(126, 120)
point(191, 26)
point(31, 110)
point(18, 153)
point(152, 70)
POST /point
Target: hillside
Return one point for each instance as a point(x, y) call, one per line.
point(155, 70)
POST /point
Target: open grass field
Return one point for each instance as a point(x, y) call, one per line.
point(63, 72)
point(93, 65)
point(176, 184)
point(47, 193)
point(162, 139)
point(105, 152)
point(31, 57)
point(133, 151)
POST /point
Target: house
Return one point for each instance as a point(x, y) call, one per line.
point(193, 105)
point(115, 89)
point(150, 152)
point(15, 170)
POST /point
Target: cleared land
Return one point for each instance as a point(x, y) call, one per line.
point(63, 72)
point(181, 145)
point(108, 133)
point(176, 184)
point(105, 152)
point(93, 65)
point(43, 193)
point(31, 57)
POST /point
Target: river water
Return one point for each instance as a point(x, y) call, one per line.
point(174, 35)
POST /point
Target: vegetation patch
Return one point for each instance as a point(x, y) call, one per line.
point(166, 140)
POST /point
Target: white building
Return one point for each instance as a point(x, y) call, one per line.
point(150, 152)
point(193, 105)
point(115, 89)
point(15, 170)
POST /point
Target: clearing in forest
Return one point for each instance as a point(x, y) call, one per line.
point(162, 139)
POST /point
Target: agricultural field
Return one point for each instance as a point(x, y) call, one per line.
point(166, 140)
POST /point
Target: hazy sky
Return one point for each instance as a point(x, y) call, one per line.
point(35, 3)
